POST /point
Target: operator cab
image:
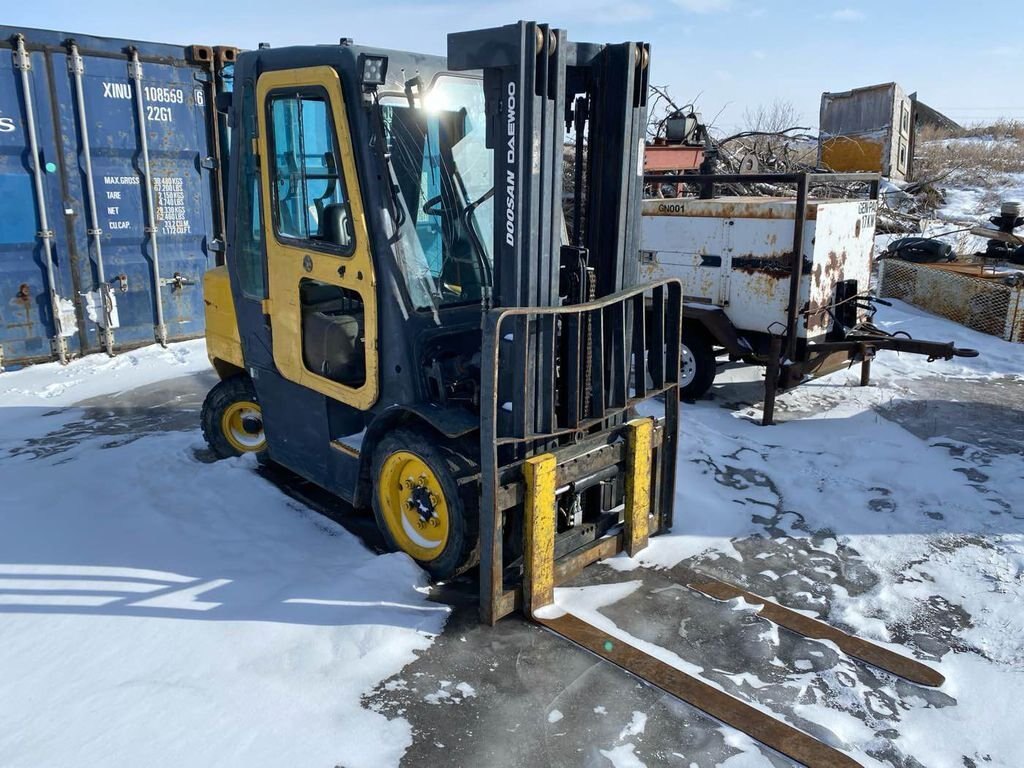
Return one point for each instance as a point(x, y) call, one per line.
point(363, 226)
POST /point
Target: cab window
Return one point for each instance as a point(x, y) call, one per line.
point(443, 170)
point(309, 198)
point(247, 255)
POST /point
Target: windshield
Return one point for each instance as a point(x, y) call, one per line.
point(443, 170)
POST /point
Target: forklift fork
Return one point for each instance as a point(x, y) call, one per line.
point(539, 606)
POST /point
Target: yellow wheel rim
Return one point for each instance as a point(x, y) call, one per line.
point(414, 506)
point(242, 425)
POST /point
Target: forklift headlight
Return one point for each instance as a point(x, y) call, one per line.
point(375, 69)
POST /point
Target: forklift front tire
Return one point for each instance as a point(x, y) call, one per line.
point(697, 365)
point(232, 420)
point(417, 505)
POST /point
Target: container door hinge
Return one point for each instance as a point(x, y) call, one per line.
point(59, 349)
point(210, 163)
point(216, 245)
point(22, 60)
point(201, 76)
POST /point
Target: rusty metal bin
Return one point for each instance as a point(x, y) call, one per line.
point(971, 295)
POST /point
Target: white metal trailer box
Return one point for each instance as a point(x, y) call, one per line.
point(734, 253)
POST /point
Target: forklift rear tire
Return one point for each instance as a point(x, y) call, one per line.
point(417, 505)
point(697, 365)
point(232, 420)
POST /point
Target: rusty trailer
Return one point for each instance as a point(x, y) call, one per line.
point(746, 296)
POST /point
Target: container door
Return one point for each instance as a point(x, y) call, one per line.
point(323, 309)
point(153, 261)
point(27, 327)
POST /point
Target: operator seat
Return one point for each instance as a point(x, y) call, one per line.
point(332, 317)
point(335, 227)
point(332, 333)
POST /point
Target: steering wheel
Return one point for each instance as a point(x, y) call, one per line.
point(430, 210)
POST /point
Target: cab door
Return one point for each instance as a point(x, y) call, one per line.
point(320, 277)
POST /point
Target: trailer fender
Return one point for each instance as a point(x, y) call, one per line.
point(452, 423)
point(718, 326)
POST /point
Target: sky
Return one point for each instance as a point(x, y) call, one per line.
point(728, 55)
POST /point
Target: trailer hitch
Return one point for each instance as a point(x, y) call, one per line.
point(954, 352)
point(860, 344)
point(877, 339)
point(939, 351)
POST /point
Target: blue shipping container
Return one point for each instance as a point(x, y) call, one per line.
point(110, 204)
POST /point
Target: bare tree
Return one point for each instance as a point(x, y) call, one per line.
point(772, 140)
point(776, 117)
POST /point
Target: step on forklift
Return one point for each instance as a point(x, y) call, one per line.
point(405, 321)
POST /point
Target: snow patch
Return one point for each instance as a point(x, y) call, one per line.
point(623, 756)
point(53, 384)
point(635, 726)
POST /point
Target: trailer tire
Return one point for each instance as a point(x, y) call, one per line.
point(697, 365)
point(231, 419)
point(417, 504)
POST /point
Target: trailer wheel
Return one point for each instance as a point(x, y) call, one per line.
point(232, 420)
point(697, 366)
point(417, 505)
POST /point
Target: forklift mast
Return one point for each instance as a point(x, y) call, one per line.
point(535, 82)
point(584, 345)
point(571, 343)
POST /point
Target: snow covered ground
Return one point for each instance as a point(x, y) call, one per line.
point(160, 610)
point(983, 172)
point(977, 202)
point(157, 609)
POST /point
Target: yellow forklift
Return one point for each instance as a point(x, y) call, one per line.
point(400, 320)
point(405, 320)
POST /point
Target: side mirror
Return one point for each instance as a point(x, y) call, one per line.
point(337, 225)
